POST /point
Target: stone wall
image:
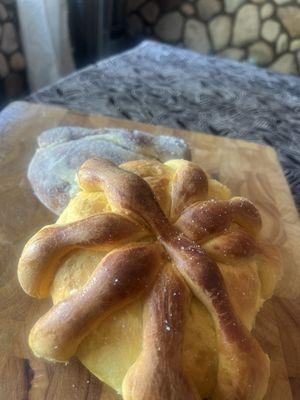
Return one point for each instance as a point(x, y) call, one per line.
point(12, 62)
point(263, 32)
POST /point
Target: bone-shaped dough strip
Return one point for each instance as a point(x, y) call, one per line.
point(231, 247)
point(121, 277)
point(205, 219)
point(42, 254)
point(158, 372)
point(189, 185)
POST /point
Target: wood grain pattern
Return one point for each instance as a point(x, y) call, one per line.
point(247, 168)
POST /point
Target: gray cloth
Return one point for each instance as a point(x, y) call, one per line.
point(160, 84)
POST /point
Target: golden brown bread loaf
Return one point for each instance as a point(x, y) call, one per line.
point(156, 275)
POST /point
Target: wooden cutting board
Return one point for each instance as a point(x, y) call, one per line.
point(249, 169)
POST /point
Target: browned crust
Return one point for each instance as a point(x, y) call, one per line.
point(231, 247)
point(119, 279)
point(243, 370)
point(42, 254)
point(243, 367)
point(206, 219)
point(189, 185)
point(201, 273)
point(205, 280)
point(157, 175)
point(125, 191)
point(245, 214)
point(158, 373)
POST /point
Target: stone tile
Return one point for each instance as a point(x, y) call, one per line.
point(232, 5)
point(208, 8)
point(169, 5)
point(285, 63)
point(9, 42)
point(267, 10)
point(261, 52)
point(270, 30)
point(282, 43)
point(247, 24)
point(169, 26)
point(295, 45)
point(195, 36)
point(234, 53)
point(188, 9)
point(220, 29)
point(290, 18)
point(150, 12)
point(3, 13)
point(17, 62)
point(3, 66)
point(135, 25)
